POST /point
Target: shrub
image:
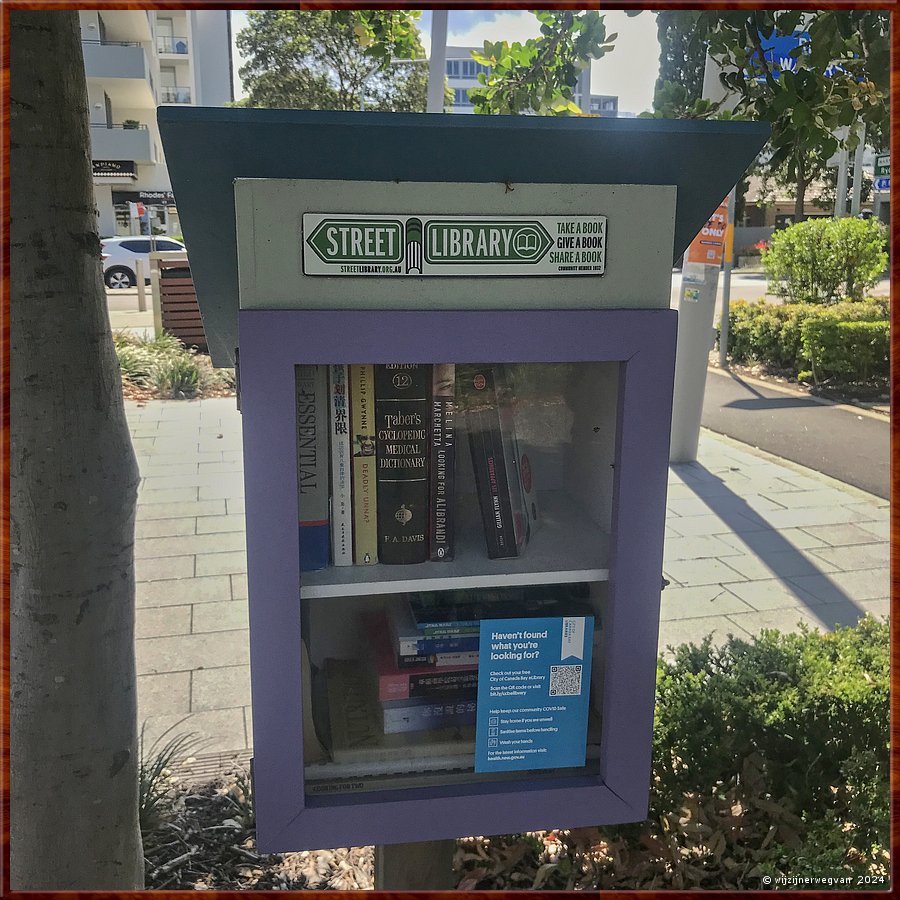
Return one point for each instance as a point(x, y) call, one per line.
point(823, 260)
point(784, 336)
point(177, 378)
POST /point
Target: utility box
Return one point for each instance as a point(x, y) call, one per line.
point(456, 363)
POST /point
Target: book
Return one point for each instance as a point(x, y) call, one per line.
point(395, 683)
point(364, 497)
point(441, 473)
point(492, 445)
point(339, 430)
point(439, 660)
point(402, 398)
point(409, 641)
point(429, 715)
point(312, 466)
point(356, 726)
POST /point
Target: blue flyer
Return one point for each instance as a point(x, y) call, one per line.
point(534, 678)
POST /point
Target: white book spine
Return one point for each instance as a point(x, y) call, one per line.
point(341, 508)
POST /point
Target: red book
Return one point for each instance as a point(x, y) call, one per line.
point(395, 683)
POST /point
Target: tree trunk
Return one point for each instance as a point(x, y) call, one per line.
point(74, 781)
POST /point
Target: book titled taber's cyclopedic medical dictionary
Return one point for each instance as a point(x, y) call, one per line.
point(362, 449)
point(402, 415)
point(441, 476)
point(339, 429)
point(312, 466)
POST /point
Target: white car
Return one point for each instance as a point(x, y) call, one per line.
point(120, 255)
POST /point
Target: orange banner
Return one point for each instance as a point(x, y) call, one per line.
point(709, 245)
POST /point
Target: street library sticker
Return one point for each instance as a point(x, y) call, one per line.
point(417, 245)
point(534, 679)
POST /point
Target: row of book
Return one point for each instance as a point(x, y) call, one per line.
point(423, 669)
point(376, 462)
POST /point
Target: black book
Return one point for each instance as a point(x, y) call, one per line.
point(402, 401)
point(492, 443)
point(441, 477)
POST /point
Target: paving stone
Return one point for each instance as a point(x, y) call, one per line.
point(178, 591)
point(785, 620)
point(226, 615)
point(147, 511)
point(696, 547)
point(682, 631)
point(222, 468)
point(868, 584)
point(166, 568)
point(165, 694)
point(700, 571)
point(762, 542)
point(164, 527)
point(217, 542)
point(221, 563)
point(783, 564)
point(772, 593)
point(829, 615)
point(235, 505)
point(151, 469)
point(698, 602)
point(671, 533)
point(193, 457)
point(807, 499)
point(861, 556)
point(239, 590)
point(220, 688)
point(183, 652)
point(215, 731)
point(881, 529)
point(161, 621)
point(222, 491)
point(248, 725)
point(218, 524)
point(169, 495)
point(816, 515)
point(690, 526)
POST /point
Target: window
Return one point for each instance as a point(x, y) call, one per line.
point(461, 97)
point(136, 246)
point(108, 104)
point(168, 245)
point(453, 68)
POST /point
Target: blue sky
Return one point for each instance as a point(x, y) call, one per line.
point(628, 72)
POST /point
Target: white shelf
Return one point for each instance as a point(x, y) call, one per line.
point(568, 547)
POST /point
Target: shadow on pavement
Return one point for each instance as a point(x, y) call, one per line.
point(761, 403)
point(767, 544)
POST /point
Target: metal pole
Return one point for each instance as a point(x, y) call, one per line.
point(840, 191)
point(726, 283)
point(437, 63)
point(856, 196)
point(141, 288)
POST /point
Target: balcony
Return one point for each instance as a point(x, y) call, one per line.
point(174, 95)
point(121, 142)
point(124, 69)
point(172, 45)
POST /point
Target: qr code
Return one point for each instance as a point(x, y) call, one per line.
point(565, 681)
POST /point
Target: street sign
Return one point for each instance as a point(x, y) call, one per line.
point(882, 184)
point(417, 245)
point(883, 164)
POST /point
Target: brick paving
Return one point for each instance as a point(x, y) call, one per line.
point(752, 542)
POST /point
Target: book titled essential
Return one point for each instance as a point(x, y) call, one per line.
point(364, 492)
point(402, 401)
point(312, 466)
point(339, 430)
point(494, 460)
point(410, 642)
point(441, 475)
point(395, 683)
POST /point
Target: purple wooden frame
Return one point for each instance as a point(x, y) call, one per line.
point(272, 342)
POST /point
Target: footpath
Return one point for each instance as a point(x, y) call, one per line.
point(752, 542)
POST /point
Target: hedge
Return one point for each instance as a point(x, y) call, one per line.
point(848, 339)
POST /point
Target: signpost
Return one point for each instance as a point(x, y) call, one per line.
point(882, 183)
point(882, 165)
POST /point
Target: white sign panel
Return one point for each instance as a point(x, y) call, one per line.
point(417, 245)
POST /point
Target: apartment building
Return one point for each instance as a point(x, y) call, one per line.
point(462, 74)
point(134, 61)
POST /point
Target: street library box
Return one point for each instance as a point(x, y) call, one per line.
point(456, 360)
